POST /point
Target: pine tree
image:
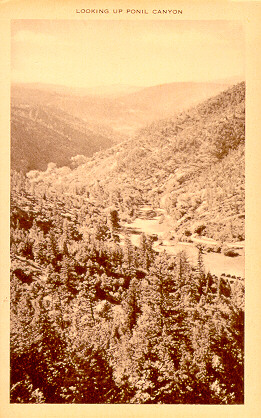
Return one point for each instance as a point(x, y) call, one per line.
point(131, 305)
point(52, 248)
point(128, 251)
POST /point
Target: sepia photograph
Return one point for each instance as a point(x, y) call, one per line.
point(127, 212)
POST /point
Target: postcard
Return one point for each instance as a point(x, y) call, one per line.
point(130, 208)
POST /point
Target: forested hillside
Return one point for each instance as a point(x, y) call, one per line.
point(42, 134)
point(191, 165)
point(93, 321)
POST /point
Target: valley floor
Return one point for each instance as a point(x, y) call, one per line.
point(149, 221)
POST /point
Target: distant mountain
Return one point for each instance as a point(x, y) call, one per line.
point(232, 80)
point(118, 107)
point(112, 90)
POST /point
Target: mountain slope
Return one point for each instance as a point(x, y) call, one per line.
point(192, 166)
point(40, 135)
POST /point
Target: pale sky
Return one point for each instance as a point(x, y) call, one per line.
point(139, 53)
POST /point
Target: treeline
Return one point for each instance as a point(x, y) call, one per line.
point(96, 320)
